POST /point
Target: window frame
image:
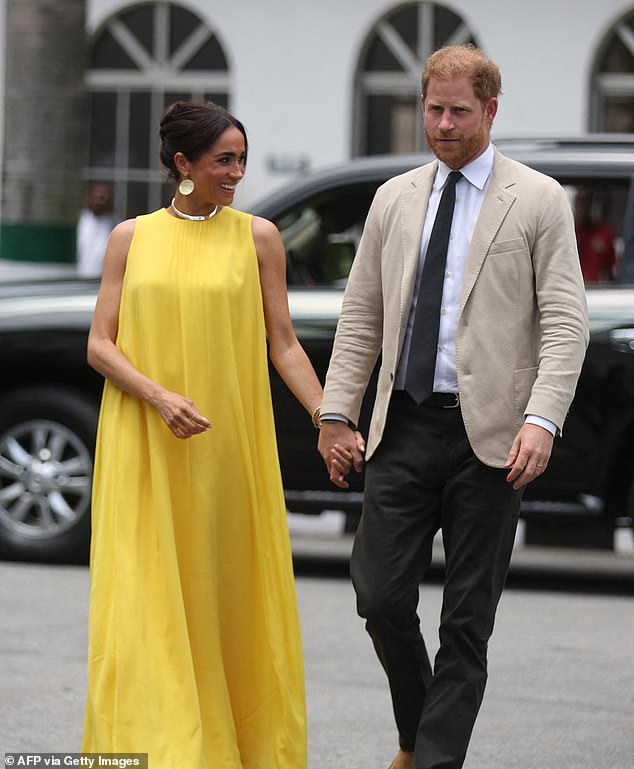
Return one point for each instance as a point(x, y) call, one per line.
point(158, 73)
point(404, 83)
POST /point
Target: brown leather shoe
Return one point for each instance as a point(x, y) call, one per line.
point(403, 760)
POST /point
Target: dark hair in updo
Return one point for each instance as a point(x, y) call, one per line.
point(192, 127)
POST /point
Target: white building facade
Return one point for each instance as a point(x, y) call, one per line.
point(316, 83)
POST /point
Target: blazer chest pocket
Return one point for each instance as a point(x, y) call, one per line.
point(517, 245)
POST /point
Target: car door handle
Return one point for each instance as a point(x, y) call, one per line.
point(622, 339)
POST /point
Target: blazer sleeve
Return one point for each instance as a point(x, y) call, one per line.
point(358, 339)
point(562, 308)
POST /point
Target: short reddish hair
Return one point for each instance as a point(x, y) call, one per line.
point(464, 61)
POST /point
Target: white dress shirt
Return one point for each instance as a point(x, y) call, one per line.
point(470, 192)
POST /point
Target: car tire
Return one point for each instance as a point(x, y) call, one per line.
point(47, 439)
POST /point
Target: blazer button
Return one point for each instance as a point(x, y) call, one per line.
point(391, 377)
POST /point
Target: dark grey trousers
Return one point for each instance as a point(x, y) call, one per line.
point(422, 478)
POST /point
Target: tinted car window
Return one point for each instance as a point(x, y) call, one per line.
point(600, 208)
point(322, 233)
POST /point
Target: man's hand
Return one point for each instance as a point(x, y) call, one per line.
point(529, 454)
point(341, 449)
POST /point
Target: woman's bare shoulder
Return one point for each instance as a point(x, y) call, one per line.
point(123, 232)
point(265, 233)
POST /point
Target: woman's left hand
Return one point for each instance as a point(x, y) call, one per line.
point(342, 459)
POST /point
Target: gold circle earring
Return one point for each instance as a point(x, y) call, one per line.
point(186, 187)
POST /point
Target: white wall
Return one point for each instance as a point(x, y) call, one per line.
point(292, 66)
point(545, 49)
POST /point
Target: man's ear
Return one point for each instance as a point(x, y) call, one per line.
point(491, 109)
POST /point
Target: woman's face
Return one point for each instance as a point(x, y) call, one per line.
point(217, 171)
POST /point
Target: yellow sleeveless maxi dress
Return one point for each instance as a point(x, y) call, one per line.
point(195, 652)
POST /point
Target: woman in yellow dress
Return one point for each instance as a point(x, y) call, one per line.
point(195, 652)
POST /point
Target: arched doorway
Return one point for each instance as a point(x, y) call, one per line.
point(612, 107)
point(146, 57)
point(387, 83)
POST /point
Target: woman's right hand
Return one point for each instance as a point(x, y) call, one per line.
point(181, 415)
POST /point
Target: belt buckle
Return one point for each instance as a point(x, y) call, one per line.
point(455, 404)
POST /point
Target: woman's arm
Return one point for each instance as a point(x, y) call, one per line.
point(179, 413)
point(287, 355)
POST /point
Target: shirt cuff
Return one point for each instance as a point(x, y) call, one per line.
point(531, 419)
point(334, 417)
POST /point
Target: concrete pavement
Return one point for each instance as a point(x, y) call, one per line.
point(561, 685)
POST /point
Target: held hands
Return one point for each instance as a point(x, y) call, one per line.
point(529, 455)
point(341, 449)
point(181, 415)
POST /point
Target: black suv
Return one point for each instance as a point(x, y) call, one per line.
point(49, 397)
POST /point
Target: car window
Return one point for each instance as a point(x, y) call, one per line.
point(321, 235)
point(602, 224)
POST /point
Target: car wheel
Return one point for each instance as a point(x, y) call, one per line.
point(47, 439)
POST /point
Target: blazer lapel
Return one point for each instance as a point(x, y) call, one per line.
point(496, 205)
point(413, 206)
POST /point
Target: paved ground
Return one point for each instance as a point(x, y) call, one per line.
point(561, 686)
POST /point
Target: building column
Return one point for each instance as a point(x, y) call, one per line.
point(45, 129)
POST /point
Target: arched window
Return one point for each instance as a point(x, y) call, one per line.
point(143, 59)
point(387, 85)
point(613, 80)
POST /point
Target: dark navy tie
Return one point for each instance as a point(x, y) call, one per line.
point(419, 377)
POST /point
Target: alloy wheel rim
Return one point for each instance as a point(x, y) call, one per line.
point(45, 479)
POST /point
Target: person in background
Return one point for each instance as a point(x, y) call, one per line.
point(94, 226)
point(595, 241)
point(467, 285)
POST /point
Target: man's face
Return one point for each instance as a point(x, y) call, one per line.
point(99, 199)
point(457, 123)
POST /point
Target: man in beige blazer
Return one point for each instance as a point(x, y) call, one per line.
point(453, 437)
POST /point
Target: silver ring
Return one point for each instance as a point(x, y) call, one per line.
point(539, 465)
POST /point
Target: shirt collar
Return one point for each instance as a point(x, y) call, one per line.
point(477, 171)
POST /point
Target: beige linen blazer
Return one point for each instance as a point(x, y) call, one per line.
point(522, 327)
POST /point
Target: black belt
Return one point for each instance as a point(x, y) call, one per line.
point(443, 400)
